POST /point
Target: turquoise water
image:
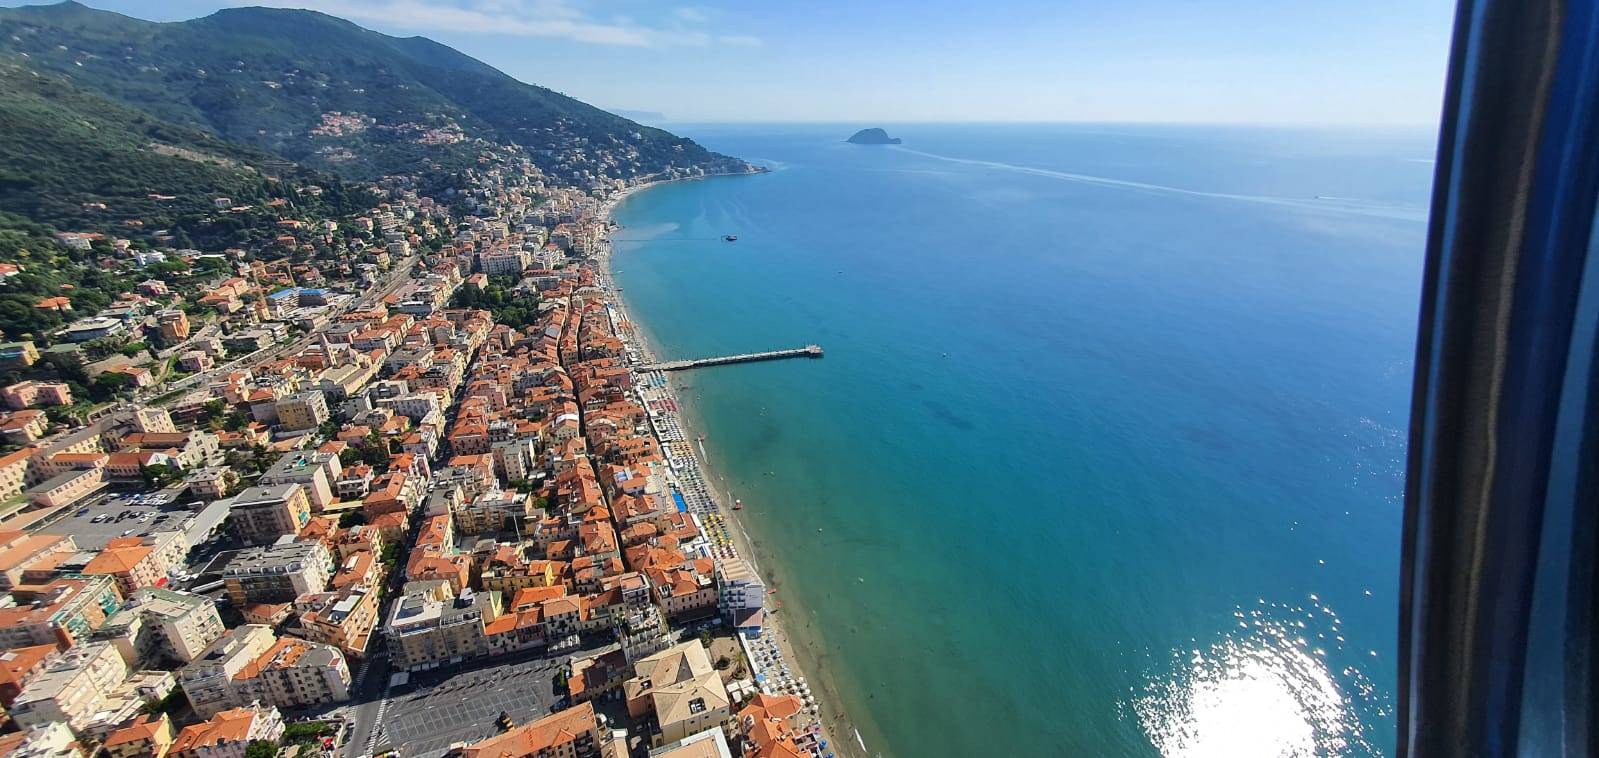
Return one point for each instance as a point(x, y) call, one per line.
point(1105, 455)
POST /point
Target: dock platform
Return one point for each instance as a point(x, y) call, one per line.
point(809, 351)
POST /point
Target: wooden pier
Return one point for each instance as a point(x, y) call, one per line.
point(809, 351)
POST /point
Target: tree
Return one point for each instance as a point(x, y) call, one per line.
point(375, 451)
point(305, 731)
point(159, 475)
point(260, 749)
point(171, 704)
point(107, 385)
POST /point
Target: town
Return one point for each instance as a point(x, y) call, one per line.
point(411, 486)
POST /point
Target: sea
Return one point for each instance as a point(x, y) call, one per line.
point(1106, 452)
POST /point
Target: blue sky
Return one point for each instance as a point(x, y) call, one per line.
point(1363, 62)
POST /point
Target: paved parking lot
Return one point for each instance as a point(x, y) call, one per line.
point(440, 708)
point(144, 515)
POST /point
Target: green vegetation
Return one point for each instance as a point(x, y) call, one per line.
point(306, 732)
point(265, 77)
point(74, 161)
point(260, 749)
point(66, 151)
point(513, 310)
point(160, 475)
point(174, 702)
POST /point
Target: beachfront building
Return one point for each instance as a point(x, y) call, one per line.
point(680, 691)
point(739, 590)
point(768, 726)
point(707, 744)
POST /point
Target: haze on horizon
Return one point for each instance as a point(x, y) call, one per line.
point(1363, 62)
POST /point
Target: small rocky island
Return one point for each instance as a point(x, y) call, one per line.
point(873, 136)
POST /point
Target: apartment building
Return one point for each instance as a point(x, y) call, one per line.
point(20, 551)
point(212, 482)
point(72, 688)
point(19, 665)
point(277, 573)
point(425, 632)
point(228, 734)
point(343, 619)
point(174, 325)
point(682, 691)
point(147, 737)
point(316, 471)
point(262, 514)
point(493, 510)
point(27, 393)
point(137, 562)
point(249, 663)
point(154, 421)
point(54, 740)
point(160, 625)
point(60, 612)
point(303, 410)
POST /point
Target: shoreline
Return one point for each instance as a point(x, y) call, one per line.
point(844, 739)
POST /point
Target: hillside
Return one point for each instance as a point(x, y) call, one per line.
point(78, 162)
point(72, 161)
point(329, 94)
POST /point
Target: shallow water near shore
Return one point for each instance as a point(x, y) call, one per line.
point(1106, 452)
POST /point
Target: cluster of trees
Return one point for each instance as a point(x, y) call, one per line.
point(74, 161)
point(49, 271)
point(371, 451)
point(512, 309)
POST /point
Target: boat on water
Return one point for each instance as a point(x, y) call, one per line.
point(730, 238)
point(738, 505)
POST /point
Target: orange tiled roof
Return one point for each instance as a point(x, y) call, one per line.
point(533, 739)
point(232, 725)
point(119, 560)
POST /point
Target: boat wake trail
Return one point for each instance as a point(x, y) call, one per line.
point(1323, 204)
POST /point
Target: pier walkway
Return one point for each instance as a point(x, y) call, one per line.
point(809, 351)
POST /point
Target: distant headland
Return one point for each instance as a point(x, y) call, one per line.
point(873, 136)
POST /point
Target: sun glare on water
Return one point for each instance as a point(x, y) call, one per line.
point(1265, 690)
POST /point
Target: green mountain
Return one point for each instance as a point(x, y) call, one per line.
point(73, 161)
point(79, 162)
point(328, 94)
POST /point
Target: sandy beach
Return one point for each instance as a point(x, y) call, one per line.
point(804, 654)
